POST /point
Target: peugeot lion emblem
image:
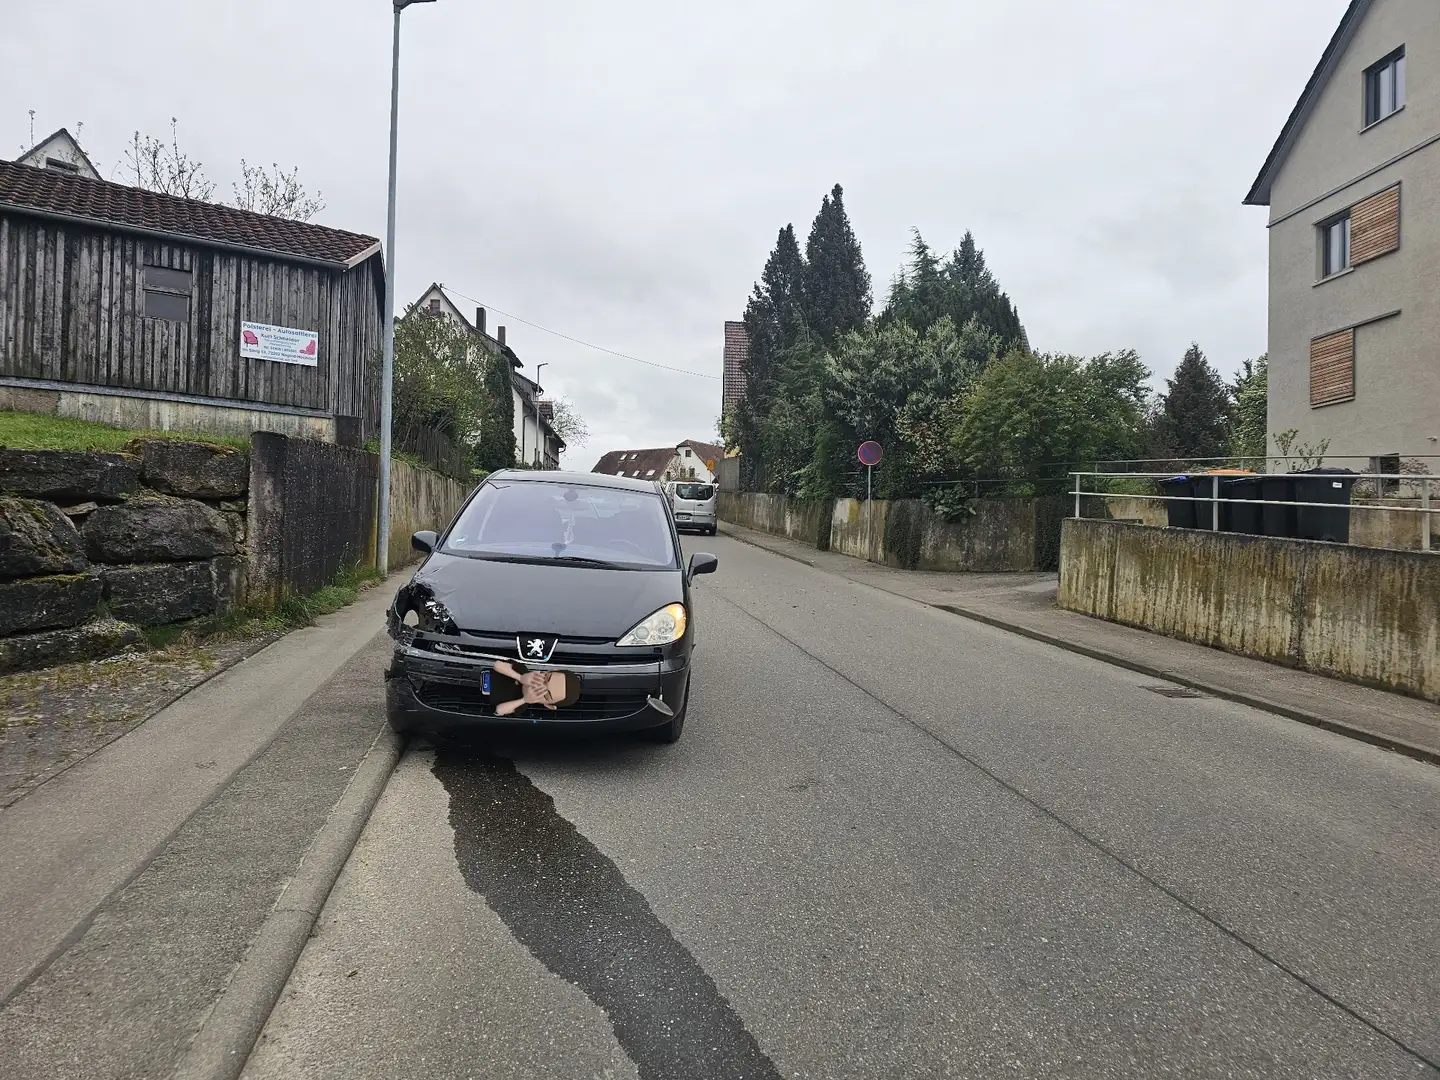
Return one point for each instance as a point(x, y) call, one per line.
point(536, 647)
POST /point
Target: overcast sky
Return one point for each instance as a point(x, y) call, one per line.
point(617, 170)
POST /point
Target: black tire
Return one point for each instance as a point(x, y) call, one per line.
point(669, 733)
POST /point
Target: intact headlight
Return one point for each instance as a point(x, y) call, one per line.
point(665, 626)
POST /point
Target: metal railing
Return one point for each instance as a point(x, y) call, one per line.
point(1425, 507)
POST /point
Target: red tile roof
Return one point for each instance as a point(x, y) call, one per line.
point(47, 191)
point(639, 464)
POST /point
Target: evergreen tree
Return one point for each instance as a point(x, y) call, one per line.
point(774, 322)
point(837, 286)
point(1194, 419)
point(961, 288)
point(495, 446)
point(1248, 430)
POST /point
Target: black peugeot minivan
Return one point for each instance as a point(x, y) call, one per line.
point(574, 572)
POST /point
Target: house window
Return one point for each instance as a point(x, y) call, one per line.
point(1385, 87)
point(1335, 245)
point(61, 166)
point(167, 294)
point(435, 305)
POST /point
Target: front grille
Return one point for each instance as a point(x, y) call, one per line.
point(594, 704)
point(581, 652)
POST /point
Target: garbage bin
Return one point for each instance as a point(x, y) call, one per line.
point(1179, 505)
point(1243, 516)
point(1331, 522)
point(1277, 520)
point(1205, 490)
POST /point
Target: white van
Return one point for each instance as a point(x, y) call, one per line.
point(694, 505)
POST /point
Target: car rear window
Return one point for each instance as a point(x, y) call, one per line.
point(694, 492)
point(542, 520)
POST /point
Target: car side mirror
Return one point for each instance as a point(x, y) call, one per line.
point(425, 541)
point(701, 563)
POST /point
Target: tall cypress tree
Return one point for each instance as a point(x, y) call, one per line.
point(1194, 420)
point(495, 447)
point(837, 285)
point(774, 321)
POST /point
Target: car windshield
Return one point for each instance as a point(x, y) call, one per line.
point(545, 521)
point(694, 492)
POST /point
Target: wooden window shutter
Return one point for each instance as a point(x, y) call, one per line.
point(1375, 226)
point(1332, 369)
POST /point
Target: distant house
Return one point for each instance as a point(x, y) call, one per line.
point(147, 310)
point(697, 460)
point(61, 152)
point(639, 464)
point(1352, 184)
point(691, 460)
point(536, 441)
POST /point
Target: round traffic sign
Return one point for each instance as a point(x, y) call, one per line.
point(870, 452)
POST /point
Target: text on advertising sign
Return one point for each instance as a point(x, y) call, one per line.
point(282, 344)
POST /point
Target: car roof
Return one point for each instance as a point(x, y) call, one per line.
point(558, 476)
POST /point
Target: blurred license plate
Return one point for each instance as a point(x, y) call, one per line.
point(682, 517)
point(485, 681)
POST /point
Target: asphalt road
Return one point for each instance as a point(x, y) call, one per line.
point(892, 843)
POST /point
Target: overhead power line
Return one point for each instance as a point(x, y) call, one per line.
point(577, 341)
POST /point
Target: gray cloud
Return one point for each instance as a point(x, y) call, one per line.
point(618, 171)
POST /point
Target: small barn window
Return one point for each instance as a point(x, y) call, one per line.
point(167, 294)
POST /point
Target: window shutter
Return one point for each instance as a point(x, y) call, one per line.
point(1375, 226)
point(1332, 369)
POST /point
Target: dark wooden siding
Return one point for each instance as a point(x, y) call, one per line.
point(72, 310)
point(1332, 369)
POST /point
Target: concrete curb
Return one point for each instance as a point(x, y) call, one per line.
point(229, 1032)
point(1254, 701)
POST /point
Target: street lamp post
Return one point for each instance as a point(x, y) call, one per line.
point(387, 355)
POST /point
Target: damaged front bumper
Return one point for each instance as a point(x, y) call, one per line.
point(433, 681)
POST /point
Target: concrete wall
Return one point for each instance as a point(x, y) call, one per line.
point(1397, 381)
point(806, 522)
point(419, 499)
point(138, 413)
point(1361, 614)
point(311, 514)
point(1002, 535)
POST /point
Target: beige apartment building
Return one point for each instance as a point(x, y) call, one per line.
point(1353, 187)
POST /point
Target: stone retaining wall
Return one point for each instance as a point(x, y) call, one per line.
point(95, 545)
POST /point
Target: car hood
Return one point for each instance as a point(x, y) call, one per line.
point(573, 601)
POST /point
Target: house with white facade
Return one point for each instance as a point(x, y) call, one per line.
point(536, 442)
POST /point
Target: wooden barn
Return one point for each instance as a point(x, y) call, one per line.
point(146, 310)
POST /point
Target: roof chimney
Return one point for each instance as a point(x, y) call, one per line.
point(480, 319)
point(500, 334)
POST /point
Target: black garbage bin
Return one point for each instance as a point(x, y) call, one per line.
point(1179, 505)
point(1275, 519)
point(1206, 491)
point(1243, 515)
point(1331, 522)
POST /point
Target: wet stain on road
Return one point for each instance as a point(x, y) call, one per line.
point(572, 908)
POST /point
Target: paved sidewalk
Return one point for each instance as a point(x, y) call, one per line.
point(1025, 604)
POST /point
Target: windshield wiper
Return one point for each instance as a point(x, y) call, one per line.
point(546, 560)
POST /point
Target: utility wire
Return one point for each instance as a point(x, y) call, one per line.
point(577, 341)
